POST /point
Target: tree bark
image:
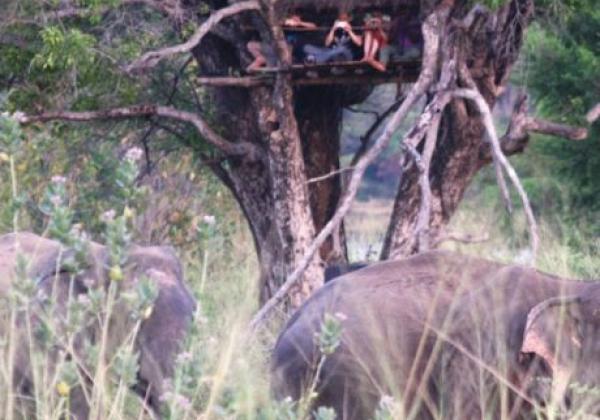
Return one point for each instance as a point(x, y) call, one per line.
point(319, 114)
point(486, 50)
point(273, 194)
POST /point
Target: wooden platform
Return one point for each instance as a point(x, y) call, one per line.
point(352, 72)
point(343, 73)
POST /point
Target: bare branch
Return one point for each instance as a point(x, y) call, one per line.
point(466, 77)
point(426, 125)
point(366, 138)
point(329, 175)
point(537, 125)
point(151, 59)
point(521, 125)
point(245, 150)
point(594, 114)
point(424, 216)
point(488, 122)
point(433, 27)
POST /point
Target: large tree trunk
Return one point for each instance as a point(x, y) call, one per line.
point(273, 193)
point(487, 50)
point(453, 167)
point(283, 210)
point(319, 114)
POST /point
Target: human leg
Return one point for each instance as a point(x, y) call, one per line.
point(259, 59)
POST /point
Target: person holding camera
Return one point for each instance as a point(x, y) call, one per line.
point(338, 43)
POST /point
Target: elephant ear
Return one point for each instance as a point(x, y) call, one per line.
point(553, 331)
point(39, 254)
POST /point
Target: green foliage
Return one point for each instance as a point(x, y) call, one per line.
point(563, 52)
point(325, 413)
point(64, 50)
point(388, 409)
point(330, 335)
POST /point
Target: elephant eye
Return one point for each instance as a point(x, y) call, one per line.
point(525, 358)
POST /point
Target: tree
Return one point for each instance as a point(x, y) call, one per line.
point(267, 137)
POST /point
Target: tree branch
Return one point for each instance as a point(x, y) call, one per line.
point(521, 125)
point(245, 150)
point(488, 122)
point(366, 138)
point(424, 216)
point(329, 175)
point(465, 76)
point(152, 58)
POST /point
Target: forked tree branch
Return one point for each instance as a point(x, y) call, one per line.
point(152, 58)
point(433, 27)
point(488, 122)
point(424, 216)
point(466, 77)
point(522, 125)
point(245, 150)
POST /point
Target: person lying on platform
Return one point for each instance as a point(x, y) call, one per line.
point(264, 53)
point(297, 40)
point(375, 38)
point(338, 43)
point(295, 21)
point(405, 40)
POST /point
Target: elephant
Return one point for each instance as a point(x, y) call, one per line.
point(161, 332)
point(448, 336)
point(336, 270)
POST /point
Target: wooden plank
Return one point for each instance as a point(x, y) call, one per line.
point(341, 64)
point(232, 81)
point(351, 79)
point(354, 80)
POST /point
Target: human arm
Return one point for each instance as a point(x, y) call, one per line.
point(297, 22)
point(305, 24)
point(330, 35)
point(357, 39)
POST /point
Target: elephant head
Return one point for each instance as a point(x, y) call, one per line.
point(162, 332)
point(565, 333)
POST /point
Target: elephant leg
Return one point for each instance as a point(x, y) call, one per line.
point(341, 395)
point(80, 409)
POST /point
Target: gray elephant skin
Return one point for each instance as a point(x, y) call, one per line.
point(159, 336)
point(448, 336)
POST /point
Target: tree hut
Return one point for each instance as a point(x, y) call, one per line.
point(323, 14)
